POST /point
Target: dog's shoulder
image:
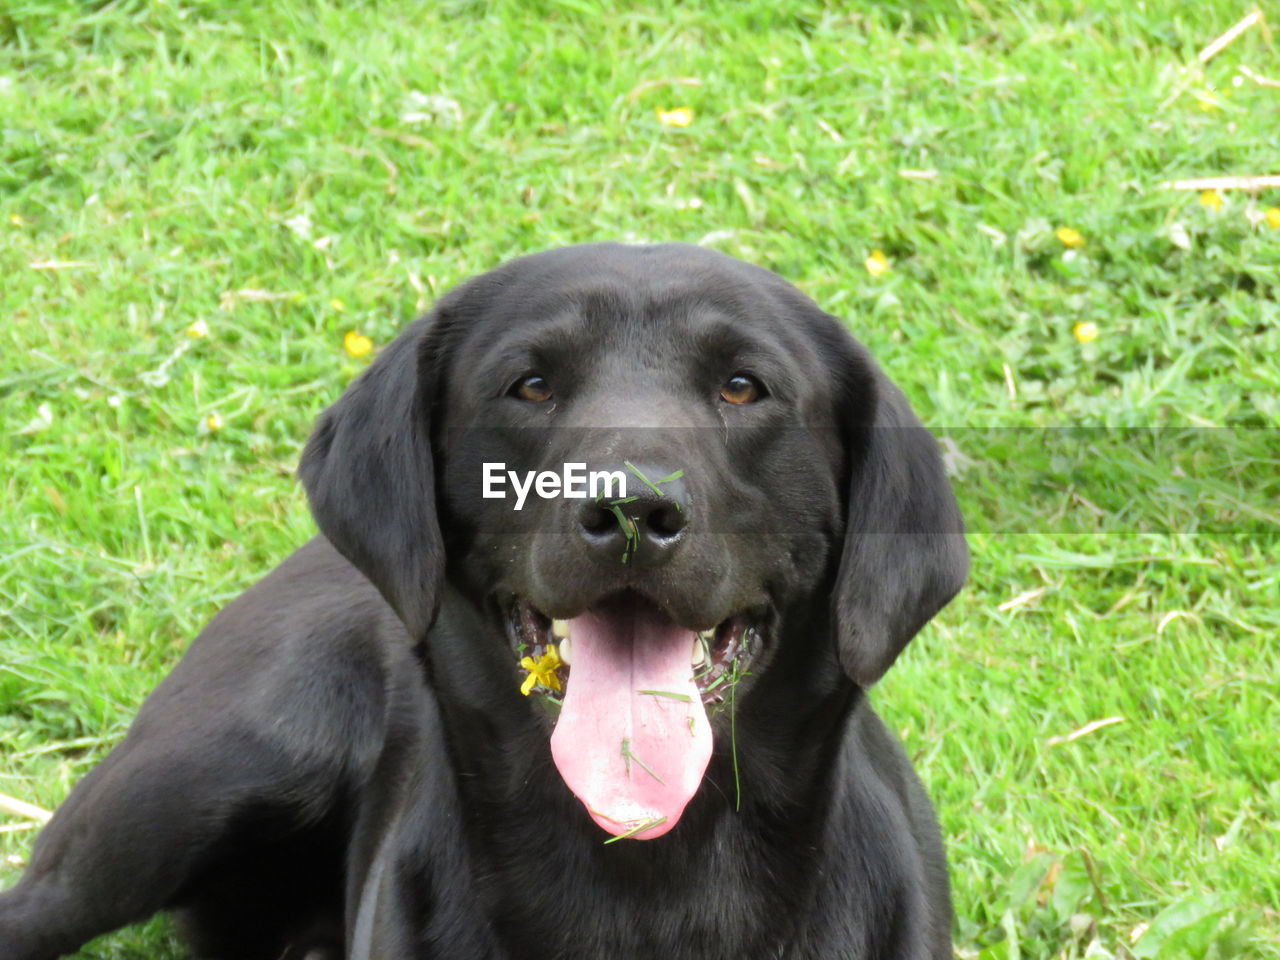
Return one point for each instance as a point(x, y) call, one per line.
point(312, 633)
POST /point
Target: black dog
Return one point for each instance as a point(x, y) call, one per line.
point(344, 764)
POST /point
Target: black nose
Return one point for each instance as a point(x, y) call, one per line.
point(642, 529)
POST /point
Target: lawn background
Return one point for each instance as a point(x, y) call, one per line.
point(283, 173)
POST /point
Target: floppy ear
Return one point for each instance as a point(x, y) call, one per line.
point(904, 554)
point(369, 475)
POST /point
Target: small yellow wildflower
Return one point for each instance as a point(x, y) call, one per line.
point(357, 344)
point(542, 672)
point(214, 422)
point(198, 330)
point(1211, 199)
point(1273, 217)
point(16, 220)
point(877, 264)
point(337, 304)
point(679, 117)
point(1086, 331)
point(1070, 237)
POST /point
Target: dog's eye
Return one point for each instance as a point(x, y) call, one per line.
point(531, 388)
point(742, 388)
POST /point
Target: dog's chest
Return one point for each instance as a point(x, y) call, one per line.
point(583, 906)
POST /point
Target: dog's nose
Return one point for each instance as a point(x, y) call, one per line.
point(642, 529)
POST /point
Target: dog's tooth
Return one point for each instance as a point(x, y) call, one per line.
point(563, 650)
point(698, 655)
point(560, 628)
point(708, 635)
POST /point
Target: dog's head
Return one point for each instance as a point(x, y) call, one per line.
point(648, 467)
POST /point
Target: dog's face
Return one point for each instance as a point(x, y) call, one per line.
point(768, 465)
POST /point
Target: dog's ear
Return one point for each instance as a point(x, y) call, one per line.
point(904, 554)
point(369, 474)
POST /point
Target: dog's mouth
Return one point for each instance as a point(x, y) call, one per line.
point(633, 689)
point(718, 657)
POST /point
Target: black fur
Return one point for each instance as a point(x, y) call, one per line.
point(342, 765)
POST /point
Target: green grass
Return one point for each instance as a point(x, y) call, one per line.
point(160, 159)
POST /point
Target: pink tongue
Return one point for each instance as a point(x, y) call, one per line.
point(633, 758)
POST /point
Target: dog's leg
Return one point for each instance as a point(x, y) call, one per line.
point(225, 800)
point(139, 832)
point(116, 851)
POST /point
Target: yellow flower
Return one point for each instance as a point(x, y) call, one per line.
point(877, 264)
point(1086, 331)
point(357, 344)
point(1273, 217)
point(1070, 237)
point(542, 672)
point(214, 422)
point(198, 330)
point(16, 219)
point(679, 117)
point(1211, 199)
point(337, 304)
